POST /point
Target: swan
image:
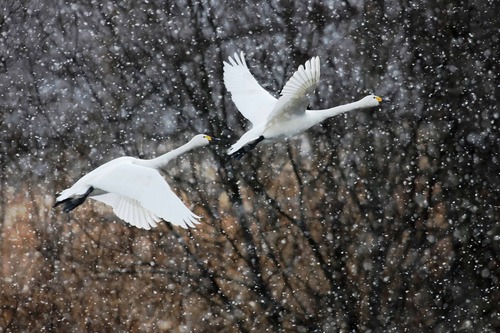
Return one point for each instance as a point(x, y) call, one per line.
point(135, 189)
point(283, 117)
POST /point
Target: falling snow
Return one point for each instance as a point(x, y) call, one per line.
point(380, 220)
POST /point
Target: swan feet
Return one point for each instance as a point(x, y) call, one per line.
point(73, 202)
point(245, 149)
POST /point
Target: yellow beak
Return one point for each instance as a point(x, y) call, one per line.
point(211, 138)
point(378, 99)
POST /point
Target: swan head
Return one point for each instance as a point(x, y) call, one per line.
point(371, 101)
point(201, 140)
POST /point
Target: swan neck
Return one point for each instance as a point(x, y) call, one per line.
point(162, 160)
point(327, 113)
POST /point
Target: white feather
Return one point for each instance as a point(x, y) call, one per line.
point(135, 189)
point(288, 116)
point(253, 101)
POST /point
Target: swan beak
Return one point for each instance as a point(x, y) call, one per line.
point(211, 138)
point(378, 99)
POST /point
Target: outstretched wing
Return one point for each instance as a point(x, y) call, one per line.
point(140, 196)
point(297, 91)
point(253, 101)
point(129, 210)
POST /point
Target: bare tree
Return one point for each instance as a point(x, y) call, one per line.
point(380, 220)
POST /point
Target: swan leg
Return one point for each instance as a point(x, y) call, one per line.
point(245, 149)
point(73, 202)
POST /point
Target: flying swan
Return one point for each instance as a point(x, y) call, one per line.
point(282, 117)
point(135, 189)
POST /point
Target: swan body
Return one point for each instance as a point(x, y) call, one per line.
point(135, 189)
point(283, 117)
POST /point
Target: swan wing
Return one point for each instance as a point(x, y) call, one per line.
point(139, 195)
point(129, 210)
point(296, 92)
point(253, 101)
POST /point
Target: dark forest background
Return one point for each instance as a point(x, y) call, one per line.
point(382, 220)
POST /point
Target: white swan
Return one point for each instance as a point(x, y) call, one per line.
point(135, 189)
point(283, 117)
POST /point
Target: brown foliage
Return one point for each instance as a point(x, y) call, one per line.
point(382, 220)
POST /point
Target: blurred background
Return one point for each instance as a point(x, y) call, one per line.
point(381, 220)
